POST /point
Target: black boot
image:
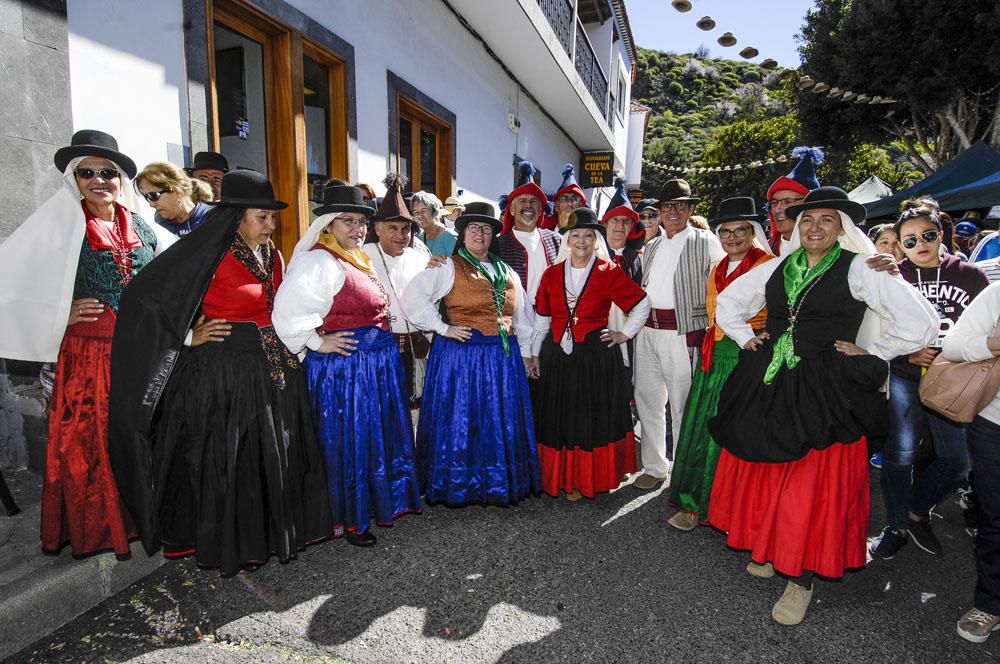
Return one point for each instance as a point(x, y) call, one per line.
point(360, 539)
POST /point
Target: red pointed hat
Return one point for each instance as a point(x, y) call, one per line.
point(525, 185)
point(619, 206)
point(801, 180)
point(570, 185)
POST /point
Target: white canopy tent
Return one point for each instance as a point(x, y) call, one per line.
point(870, 190)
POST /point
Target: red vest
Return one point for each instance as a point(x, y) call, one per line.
point(607, 284)
point(235, 295)
point(359, 303)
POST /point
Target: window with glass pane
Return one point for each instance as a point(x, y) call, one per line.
point(428, 160)
point(406, 150)
point(316, 92)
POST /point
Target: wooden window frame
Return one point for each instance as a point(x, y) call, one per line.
point(283, 51)
point(420, 117)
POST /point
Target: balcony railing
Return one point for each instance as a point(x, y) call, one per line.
point(561, 16)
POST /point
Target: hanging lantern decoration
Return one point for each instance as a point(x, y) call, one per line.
point(786, 74)
point(769, 63)
point(806, 82)
point(727, 39)
point(706, 23)
point(820, 88)
point(749, 52)
point(834, 93)
point(862, 99)
point(681, 5)
point(848, 95)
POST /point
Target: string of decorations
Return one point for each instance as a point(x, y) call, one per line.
point(833, 92)
point(757, 163)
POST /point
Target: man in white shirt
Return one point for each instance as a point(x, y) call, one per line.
point(525, 247)
point(675, 270)
point(396, 262)
point(789, 190)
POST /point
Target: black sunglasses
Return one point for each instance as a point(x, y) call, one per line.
point(927, 237)
point(153, 196)
point(649, 215)
point(89, 173)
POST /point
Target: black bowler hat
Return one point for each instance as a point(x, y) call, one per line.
point(833, 198)
point(580, 218)
point(677, 190)
point(208, 161)
point(248, 189)
point(740, 208)
point(93, 143)
point(478, 211)
point(343, 198)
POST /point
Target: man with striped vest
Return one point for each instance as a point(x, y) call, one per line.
point(675, 269)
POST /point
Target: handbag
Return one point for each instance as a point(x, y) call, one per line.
point(959, 390)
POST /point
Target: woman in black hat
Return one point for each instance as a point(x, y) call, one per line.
point(333, 305)
point(742, 237)
point(475, 440)
point(583, 420)
point(211, 437)
point(63, 272)
point(791, 484)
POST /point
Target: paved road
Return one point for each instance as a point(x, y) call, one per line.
point(547, 581)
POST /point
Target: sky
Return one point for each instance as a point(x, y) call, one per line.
point(768, 25)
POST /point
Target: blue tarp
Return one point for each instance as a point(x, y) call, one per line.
point(973, 166)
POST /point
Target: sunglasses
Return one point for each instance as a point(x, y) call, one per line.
point(89, 173)
point(153, 196)
point(927, 237)
point(649, 215)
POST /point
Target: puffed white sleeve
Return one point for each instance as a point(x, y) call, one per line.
point(911, 321)
point(637, 317)
point(523, 320)
point(305, 296)
point(420, 297)
point(966, 340)
point(742, 300)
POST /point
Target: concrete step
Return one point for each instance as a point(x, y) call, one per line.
point(39, 593)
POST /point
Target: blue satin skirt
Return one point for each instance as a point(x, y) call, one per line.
point(362, 418)
point(476, 439)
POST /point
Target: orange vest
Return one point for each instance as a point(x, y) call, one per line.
point(757, 322)
point(470, 301)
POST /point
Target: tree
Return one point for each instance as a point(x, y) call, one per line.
point(923, 54)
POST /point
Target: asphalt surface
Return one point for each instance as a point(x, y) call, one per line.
point(547, 581)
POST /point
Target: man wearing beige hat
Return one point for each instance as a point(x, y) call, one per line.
point(675, 268)
point(453, 209)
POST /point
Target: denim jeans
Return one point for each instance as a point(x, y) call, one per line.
point(907, 422)
point(984, 447)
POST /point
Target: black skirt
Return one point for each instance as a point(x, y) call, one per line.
point(238, 469)
point(582, 399)
point(826, 399)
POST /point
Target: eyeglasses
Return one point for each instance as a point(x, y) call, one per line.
point(680, 205)
point(927, 237)
point(786, 202)
point(153, 196)
point(741, 232)
point(89, 173)
point(649, 215)
point(620, 222)
point(479, 228)
point(568, 198)
point(352, 223)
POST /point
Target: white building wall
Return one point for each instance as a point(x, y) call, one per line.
point(421, 42)
point(127, 75)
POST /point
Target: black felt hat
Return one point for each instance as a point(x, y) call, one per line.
point(94, 143)
point(580, 218)
point(248, 189)
point(343, 198)
point(740, 208)
point(833, 198)
point(648, 203)
point(481, 211)
point(208, 161)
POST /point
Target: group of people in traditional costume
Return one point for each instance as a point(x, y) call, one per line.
point(247, 410)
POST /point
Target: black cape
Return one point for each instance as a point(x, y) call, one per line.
point(157, 309)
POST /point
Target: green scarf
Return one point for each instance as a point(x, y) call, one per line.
point(498, 283)
point(798, 277)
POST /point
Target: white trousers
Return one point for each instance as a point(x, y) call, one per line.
point(662, 371)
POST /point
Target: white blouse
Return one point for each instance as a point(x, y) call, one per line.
point(305, 297)
point(911, 321)
point(420, 300)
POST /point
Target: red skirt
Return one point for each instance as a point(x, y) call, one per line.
point(80, 502)
point(805, 515)
point(589, 471)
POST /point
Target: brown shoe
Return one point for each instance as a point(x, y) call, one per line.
point(684, 521)
point(791, 608)
point(765, 571)
point(646, 482)
point(574, 496)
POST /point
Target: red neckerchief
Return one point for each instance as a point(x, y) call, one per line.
point(721, 281)
point(119, 238)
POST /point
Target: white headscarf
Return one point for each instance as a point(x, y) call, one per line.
point(38, 269)
point(853, 239)
point(759, 238)
point(309, 238)
point(600, 248)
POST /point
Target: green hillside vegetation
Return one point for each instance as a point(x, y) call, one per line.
point(716, 112)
